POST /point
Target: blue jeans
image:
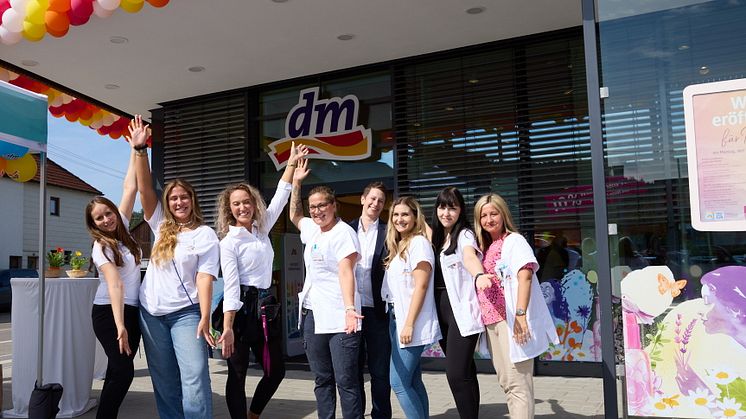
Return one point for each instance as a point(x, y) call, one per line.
point(333, 358)
point(177, 361)
point(406, 376)
point(376, 347)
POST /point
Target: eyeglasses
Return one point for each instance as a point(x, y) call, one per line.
point(319, 207)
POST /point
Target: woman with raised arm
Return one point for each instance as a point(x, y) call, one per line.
point(519, 326)
point(176, 293)
point(456, 266)
point(116, 255)
point(408, 288)
point(246, 256)
point(329, 303)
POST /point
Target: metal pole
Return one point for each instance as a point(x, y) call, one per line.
point(41, 265)
point(590, 40)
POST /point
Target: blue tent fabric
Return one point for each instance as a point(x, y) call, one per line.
point(23, 117)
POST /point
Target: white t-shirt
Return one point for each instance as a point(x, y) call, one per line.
point(398, 287)
point(246, 256)
point(162, 292)
point(321, 289)
point(129, 273)
point(462, 292)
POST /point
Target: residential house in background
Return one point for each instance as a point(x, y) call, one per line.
point(67, 194)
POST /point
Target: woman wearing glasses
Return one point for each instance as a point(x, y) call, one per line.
point(329, 302)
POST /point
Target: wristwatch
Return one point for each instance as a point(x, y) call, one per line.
point(520, 312)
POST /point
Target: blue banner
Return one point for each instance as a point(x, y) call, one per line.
point(23, 117)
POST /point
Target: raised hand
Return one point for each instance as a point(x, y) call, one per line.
point(139, 133)
point(297, 153)
point(302, 171)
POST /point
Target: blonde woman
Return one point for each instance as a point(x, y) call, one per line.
point(246, 256)
point(519, 326)
point(176, 293)
point(408, 288)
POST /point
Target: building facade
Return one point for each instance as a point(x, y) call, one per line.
point(599, 183)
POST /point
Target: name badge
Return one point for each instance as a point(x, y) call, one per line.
point(316, 254)
point(451, 261)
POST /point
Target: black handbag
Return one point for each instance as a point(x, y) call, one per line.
point(45, 401)
point(217, 317)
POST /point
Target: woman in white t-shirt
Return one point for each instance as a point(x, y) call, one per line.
point(456, 300)
point(246, 257)
point(329, 302)
point(176, 293)
point(116, 255)
point(408, 288)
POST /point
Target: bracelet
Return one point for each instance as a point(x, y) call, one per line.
point(141, 152)
point(350, 308)
point(478, 275)
point(291, 165)
point(140, 147)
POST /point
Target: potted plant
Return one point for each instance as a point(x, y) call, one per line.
point(55, 260)
point(77, 260)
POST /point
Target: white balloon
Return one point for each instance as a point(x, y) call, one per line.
point(19, 5)
point(109, 119)
point(57, 101)
point(100, 11)
point(110, 5)
point(97, 124)
point(67, 99)
point(13, 20)
point(4, 74)
point(9, 38)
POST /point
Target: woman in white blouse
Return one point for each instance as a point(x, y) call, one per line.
point(246, 255)
point(408, 287)
point(115, 315)
point(176, 293)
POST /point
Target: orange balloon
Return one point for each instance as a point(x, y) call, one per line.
point(56, 21)
point(58, 34)
point(2, 166)
point(61, 6)
point(158, 3)
point(22, 169)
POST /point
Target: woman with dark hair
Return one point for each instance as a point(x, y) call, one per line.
point(408, 288)
point(329, 301)
point(457, 266)
point(116, 255)
point(176, 293)
point(517, 320)
point(246, 256)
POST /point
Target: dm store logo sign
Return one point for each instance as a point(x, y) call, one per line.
point(328, 127)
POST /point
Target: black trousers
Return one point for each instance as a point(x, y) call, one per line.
point(246, 341)
point(120, 369)
point(461, 370)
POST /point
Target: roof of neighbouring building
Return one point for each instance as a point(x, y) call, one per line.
point(61, 177)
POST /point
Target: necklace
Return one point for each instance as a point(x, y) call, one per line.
point(186, 224)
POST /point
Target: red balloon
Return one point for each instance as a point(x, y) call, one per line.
point(80, 11)
point(56, 111)
point(158, 3)
point(4, 5)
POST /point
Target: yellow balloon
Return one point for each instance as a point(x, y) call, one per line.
point(21, 170)
point(35, 11)
point(33, 32)
point(131, 6)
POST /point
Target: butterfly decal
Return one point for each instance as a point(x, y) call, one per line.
point(664, 285)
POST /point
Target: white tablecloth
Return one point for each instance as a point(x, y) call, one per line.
point(69, 342)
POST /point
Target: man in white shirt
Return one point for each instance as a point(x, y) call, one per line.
point(369, 271)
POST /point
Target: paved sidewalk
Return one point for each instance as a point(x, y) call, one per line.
point(557, 397)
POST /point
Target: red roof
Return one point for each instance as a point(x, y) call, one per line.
point(59, 176)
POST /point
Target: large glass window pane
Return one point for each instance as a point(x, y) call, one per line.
point(681, 290)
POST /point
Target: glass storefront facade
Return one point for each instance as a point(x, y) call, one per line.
point(681, 301)
point(514, 117)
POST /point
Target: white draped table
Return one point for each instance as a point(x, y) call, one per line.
point(69, 342)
